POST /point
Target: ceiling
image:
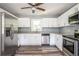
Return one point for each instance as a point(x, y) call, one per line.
point(52, 9)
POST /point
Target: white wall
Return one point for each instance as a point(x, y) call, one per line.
point(29, 39)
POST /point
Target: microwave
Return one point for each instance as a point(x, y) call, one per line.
point(74, 18)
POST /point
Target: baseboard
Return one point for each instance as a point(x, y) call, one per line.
point(35, 46)
point(45, 45)
point(52, 45)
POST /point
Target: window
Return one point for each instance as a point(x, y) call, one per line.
point(35, 25)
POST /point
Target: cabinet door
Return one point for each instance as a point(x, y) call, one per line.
point(52, 39)
point(56, 43)
point(49, 22)
point(23, 22)
point(29, 39)
point(61, 21)
point(59, 42)
point(33, 39)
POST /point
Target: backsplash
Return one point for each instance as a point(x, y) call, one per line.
point(44, 29)
point(66, 30)
point(50, 29)
point(23, 29)
point(69, 30)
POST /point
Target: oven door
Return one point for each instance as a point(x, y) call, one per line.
point(70, 46)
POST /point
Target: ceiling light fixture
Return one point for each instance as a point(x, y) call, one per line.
point(33, 10)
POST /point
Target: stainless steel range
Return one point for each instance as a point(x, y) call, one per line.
point(71, 46)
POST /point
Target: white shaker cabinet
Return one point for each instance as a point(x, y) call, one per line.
point(52, 39)
point(59, 41)
point(56, 40)
point(29, 39)
point(8, 23)
point(63, 20)
point(24, 22)
point(49, 22)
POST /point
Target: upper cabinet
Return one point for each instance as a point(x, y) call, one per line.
point(44, 22)
point(10, 21)
point(63, 20)
point(24, 22)
point(49, 22)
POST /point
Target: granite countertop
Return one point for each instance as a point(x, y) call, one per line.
point(71, 37)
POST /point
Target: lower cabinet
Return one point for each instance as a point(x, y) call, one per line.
point(35, 39)
point(29, 39)
point(59, 42)
point(56, 40)
point(52, 39)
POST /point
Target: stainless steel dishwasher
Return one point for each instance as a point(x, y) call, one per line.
point(45, 40)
